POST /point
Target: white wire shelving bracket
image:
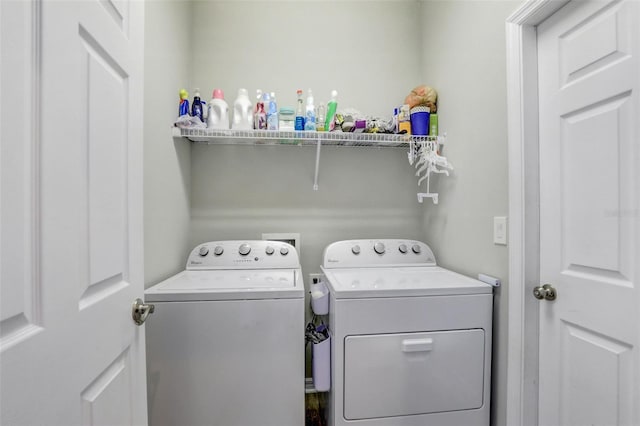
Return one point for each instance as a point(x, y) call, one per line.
point(289, 138)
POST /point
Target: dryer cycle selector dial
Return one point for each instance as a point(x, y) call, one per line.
point(416, 249)
point(403, 248)
point(355, 249)
point(378, 248)
point(244, 249)
point(218, 250)
point(284, 251)
point(269, 250)
point(204, 250)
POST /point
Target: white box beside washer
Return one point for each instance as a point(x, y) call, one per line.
point(225, 345)
point(411, 342)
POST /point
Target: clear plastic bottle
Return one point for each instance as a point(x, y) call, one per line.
point(259, 117)
point(321, 117)
point(299, 124)
point(272, 113)
point(332, 107)
point(310, 116)
point(256, 109)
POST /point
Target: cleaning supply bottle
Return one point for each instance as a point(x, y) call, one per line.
point(242, 111)
point(332, 107)
point(299, 124)
point(197, 106)
point(257, 108)
point(321, 117)
point(272, 113)
point(218, 117)
point(310, 116)
point(433, 125)
point(260, 116)
point(184, 103)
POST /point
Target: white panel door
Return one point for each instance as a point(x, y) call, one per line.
point(71, 212)
point(589, 79)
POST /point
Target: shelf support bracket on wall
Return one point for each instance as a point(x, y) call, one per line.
point(315, 178)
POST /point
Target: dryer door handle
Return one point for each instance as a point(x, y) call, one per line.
point(417, 345)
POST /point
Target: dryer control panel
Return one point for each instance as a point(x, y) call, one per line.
point(253, 254)
point(377, 253)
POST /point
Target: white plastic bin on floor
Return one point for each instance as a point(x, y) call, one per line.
point(321, 363)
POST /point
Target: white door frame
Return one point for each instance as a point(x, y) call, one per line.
point(524, 208)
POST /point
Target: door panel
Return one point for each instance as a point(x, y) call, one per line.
point(108, 399)
point(20, 314)
point(72, 200)
point(589, 78)
point(597, 372)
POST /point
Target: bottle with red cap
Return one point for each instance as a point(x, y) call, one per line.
point(218, 117)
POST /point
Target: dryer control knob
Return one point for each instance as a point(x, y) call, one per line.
point(204, 250)
point(403, 248)
point(269, 250)
point(218, 250)
point(378, 248)
point(355, 249)
point(415, 248)
point(284, 251)
point(244, 249)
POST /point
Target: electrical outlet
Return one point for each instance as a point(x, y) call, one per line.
point(312, 276)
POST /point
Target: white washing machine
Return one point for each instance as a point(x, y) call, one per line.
point(411, 342)
point(225, 345)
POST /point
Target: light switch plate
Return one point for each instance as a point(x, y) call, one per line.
point(500, 230)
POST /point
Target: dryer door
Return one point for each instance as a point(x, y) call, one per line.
point(402, 374)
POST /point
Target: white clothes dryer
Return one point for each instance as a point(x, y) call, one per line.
point(411, 341)
point(225, 345)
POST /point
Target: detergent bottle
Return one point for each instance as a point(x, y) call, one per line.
point(242, 115)
point(218, 117)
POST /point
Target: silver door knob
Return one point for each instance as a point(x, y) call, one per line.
point(140, 311)
point(545, 292)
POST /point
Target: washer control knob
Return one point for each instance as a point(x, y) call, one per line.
point(244, 249)
point(403, 248)
point(378, 248)
point(284, 251)
point(204, 250)
point(355, 249)
point(416, 248)
point(218, 250)
point(269, 250)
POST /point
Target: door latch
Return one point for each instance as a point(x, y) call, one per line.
point(545, 292)
point(140, 311)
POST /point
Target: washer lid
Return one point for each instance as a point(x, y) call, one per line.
point(400, 282)
point(228, 285)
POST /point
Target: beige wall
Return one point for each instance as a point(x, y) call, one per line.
point(167, 170)
point(354, 47)
point(465, 59)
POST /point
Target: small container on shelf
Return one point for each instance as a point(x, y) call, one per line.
point(287, 119)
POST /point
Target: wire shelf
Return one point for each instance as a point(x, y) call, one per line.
point(277, 137)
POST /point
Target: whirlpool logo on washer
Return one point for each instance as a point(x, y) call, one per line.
point(333, 260)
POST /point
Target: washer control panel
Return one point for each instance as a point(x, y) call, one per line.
point(257, 254)
point(382, 252)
